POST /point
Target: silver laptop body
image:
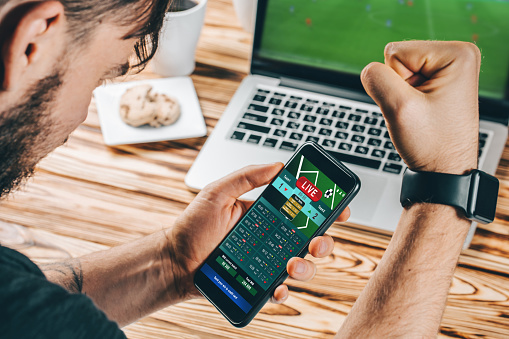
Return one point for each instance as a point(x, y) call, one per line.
point(276, 107)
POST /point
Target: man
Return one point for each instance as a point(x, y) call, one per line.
point(54, 53)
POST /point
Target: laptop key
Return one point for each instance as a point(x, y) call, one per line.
point(358, 138)
point(275, 101)
point(378, 153)
point(263, 91)
point(293, 125)
point(374, 131)
point(312, 138)
point(342, 125)
point(238, 135)
point(296, 136)
point(325, 131)
point(269, 142)
point(254, 117)
point(345, 147)
point(483, 136)
point(258, 108)
point(253, 127)
point(253, 139)
point(394, 157)
point(309, 118)
point(288, 146)
point(328, 143)
point(482, 143)
point(260, 98)
point(306, 107)
point(393, 168)
point(374, 142)
point(377, 114)
point(325, 122)
point(293, 115)
point(345, 107)
point(277, 122)
point(322, 110)
point(312, 101)
point(309, 128)
point(291, 104)
point(342, 135)
point(361, 150)
point(354, 117)
point(358, 128)
point(382, 123)
point(370, 121)
point(278, 112)
point(389, 145)
point(386, 135)
point(352, 159)
point(361, 110)
point(295, 97)
point(338, 114)
point(280, 94)
point(279, 133)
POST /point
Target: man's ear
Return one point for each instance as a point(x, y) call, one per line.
point(37, 30)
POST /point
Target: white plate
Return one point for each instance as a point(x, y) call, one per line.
point(116, 132)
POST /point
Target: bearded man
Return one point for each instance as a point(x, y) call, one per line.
point(54, 53)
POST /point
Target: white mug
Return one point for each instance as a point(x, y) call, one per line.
point(246, 12)
point(175, 55)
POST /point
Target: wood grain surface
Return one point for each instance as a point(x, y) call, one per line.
point(87, 196)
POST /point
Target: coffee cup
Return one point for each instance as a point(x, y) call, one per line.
point(246, 13)
point(179, 36)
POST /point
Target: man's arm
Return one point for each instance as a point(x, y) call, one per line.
point(428, 94)
point(126, 282)
point(133, 280)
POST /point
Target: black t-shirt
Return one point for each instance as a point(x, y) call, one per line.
point(33, 307)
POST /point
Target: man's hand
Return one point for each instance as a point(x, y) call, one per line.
point(213, 213)
point(428, 92)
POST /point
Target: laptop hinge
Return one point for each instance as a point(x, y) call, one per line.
point(325, 89)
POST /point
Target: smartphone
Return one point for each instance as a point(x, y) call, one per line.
point(304, 199)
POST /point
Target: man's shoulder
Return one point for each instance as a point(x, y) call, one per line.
point(33, 307)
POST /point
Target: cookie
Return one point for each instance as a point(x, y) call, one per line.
point(137, 106)
point(168, 110)
point(140, 106)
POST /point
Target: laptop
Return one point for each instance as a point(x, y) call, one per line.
point(304, 85)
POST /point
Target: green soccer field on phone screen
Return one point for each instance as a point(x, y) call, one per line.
point(300, 203)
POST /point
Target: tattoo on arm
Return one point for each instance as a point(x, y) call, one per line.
point(67, 274)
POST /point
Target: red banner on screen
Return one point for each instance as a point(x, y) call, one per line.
point(309, 189)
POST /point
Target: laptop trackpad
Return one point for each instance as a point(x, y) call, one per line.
point(364, 206)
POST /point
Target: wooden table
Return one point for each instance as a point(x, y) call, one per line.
point(87, 196)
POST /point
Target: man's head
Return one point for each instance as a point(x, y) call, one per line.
point(52, 55)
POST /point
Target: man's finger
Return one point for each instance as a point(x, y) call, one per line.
point(301, 269)
point(344, 216)
point(244, 180)
point(429, 57)
point(321, 247)
point(386, 87)
point(280, 294)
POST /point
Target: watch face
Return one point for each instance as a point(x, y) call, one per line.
point(485, 201)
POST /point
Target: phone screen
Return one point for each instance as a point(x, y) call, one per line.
point(277, 227)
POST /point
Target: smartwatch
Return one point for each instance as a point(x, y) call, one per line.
point(475, 193)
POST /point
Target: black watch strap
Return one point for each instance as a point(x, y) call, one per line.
point(475, 194)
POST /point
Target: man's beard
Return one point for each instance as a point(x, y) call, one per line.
point(23, 133)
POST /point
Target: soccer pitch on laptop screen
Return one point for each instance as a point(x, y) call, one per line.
point(346, 35)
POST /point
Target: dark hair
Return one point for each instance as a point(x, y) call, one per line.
point(84, 15)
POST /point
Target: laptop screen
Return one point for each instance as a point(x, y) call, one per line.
point(345, 35)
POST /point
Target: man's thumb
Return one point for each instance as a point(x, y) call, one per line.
point(386, 87)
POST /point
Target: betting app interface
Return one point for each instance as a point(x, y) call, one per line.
point(274, 230)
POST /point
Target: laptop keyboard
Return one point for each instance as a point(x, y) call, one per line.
point(353, 134)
